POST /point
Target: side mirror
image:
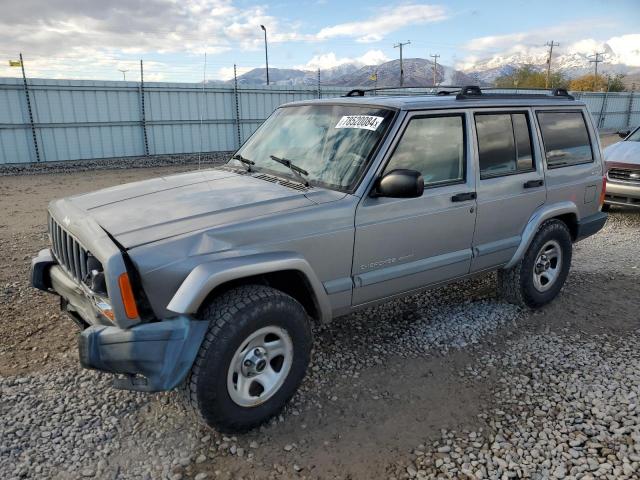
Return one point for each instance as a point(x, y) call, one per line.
point(400, 183)
point(624, 133)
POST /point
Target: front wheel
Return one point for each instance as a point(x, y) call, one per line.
point(252, 360)
point(539, 276)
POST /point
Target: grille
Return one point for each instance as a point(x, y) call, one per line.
point(270, 178)
point(68, 251)
point(624, 175)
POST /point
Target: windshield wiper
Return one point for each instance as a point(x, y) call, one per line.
point(246, 161)
point(297, 171)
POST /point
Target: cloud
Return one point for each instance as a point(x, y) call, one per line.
point(388, 20)
point(531, 46)
point(80, 36)
point(330, 60)
point(627, 47)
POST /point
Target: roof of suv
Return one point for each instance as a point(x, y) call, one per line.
point(421, 102)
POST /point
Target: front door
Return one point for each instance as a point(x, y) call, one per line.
point(403, 244)
point(510, 184)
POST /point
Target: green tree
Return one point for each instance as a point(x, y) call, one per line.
point(528, 76)
point(589, 83)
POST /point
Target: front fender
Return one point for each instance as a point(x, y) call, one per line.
point(540, 216)
point(207, 276)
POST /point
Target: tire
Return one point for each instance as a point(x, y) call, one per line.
point(522, 285)
point(605, 207)
point(216, 388)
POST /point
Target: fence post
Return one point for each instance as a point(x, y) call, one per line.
point(142, 112)
point(603, 110)
point(630, 105)
point(235, 94)
point(33, 125)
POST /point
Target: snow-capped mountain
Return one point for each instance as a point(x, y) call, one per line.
point(571, 64)
point(417, 72)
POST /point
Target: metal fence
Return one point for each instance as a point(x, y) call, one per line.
point(76, 119)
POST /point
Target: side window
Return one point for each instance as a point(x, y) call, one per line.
point(504, 144)
point(434, 146)
point(565, 138)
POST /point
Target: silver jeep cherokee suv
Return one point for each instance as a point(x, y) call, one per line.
point(209, 280)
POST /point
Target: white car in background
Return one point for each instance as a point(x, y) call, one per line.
point(622, 161)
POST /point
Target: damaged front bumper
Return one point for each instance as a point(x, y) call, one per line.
point(149, 357)
point(152, 357)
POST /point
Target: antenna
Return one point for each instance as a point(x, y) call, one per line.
point(204, 82)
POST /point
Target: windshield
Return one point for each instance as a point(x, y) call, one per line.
point(635, 136)
point(331, 144)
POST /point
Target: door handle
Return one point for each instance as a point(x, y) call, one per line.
point(463, 197)
point(534, 183)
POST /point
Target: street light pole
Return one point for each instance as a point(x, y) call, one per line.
point(266, 51)
point(124, 76)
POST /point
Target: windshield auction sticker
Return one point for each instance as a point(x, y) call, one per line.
point(366, 122)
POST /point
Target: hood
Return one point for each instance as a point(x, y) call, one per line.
point(623, 152)
point(150, 210)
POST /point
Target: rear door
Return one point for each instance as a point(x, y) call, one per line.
point(406, 243)
point(510, 182)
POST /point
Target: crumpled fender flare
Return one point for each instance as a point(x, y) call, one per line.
point(540, 216)
point(207, 276)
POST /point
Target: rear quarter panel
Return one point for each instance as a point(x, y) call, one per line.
point(579, 184)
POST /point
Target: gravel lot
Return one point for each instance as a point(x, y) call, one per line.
point(447, 384)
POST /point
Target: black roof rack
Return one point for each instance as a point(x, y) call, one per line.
point(360, 92)
point(474, 92)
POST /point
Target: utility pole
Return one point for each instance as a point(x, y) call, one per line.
point(435, 68)
point(124, 72)
point(596, 61)
point(400, 45)
point(550, 45)
point(266, 52)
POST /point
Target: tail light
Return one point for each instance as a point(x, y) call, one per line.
point(604, 190)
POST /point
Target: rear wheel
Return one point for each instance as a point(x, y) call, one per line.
point(539, 276)
point(252, 360)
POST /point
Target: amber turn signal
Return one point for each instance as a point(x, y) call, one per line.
point(129, 301)
point(604, 190)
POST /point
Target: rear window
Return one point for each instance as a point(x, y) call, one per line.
point(504, 144)
point(565, 137)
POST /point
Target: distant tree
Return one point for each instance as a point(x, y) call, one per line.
point(588, 83)
point(528, 76)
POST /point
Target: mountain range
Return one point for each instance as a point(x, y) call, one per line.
point(419, 71)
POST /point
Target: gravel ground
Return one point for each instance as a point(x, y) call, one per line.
point(205, 159)
point(451, 383)
point(566, 407)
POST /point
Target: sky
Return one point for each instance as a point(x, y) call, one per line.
point(89, 39)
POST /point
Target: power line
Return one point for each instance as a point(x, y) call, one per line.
point(435, 68)
point(596, 61)
point(550, 45)
point(400, 45)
